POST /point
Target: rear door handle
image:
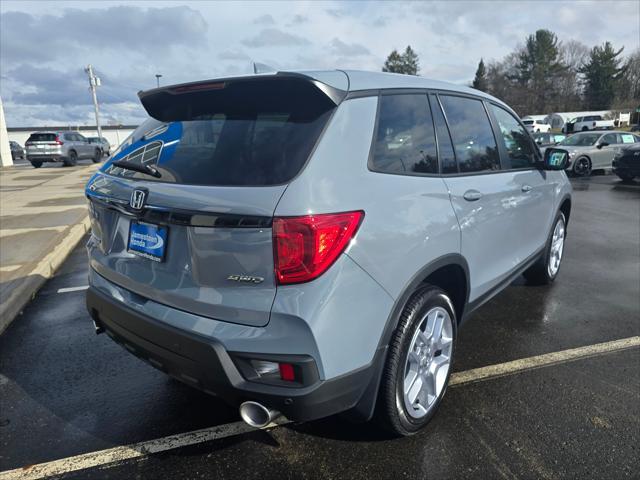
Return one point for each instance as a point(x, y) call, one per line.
point(526, 188)
point(472, 195)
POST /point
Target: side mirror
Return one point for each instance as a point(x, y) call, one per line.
point(603, 144)
point(555, 159)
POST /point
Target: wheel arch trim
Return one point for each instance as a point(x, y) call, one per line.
point(454, 259)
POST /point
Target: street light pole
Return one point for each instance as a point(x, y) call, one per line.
point(93, 83)
point(158, 79)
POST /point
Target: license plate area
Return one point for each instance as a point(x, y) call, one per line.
point(148, 240)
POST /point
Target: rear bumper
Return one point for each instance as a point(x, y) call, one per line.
point(204, 363)
point(625, 167)
point(45, 157)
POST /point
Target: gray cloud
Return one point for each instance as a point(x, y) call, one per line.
point(264, 20)
point(46, 37)
point(338, 47)
point(233, 55)
point(336, 13)
point(272, 37)
point(299, 20)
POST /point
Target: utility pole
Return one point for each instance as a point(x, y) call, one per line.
point(93, 83)
point(158, 79)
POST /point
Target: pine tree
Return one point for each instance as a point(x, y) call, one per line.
point(410, 58)
point(406, 62)
point(602, 74)
point(394, 63)
point(480, 82)
point(539, 70)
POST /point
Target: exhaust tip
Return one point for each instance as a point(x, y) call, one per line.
point(257, 415)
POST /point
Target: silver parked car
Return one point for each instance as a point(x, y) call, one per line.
point(103, 143)
point(308, 243)
point(66, 147)
point(590, 151)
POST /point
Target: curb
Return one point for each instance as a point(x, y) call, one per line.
point(26, 290)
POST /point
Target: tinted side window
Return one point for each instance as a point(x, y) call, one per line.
point(516, 140)
point(473, 139)
point(445, 145)
point(405, 140)
point(610, 138)
point(70, 137)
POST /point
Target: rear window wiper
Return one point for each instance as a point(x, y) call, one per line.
point(137, 167)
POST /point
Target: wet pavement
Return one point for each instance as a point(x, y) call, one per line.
point(65, 391)
point(43, 214)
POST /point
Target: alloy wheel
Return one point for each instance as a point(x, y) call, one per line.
point(557, 248)
point(428, 362)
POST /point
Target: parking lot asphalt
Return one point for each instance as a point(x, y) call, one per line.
point(65, 391)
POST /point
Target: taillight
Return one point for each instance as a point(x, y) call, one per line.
point(305, 247)
point(58, 141)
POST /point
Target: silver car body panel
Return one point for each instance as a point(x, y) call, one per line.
point(338, 318)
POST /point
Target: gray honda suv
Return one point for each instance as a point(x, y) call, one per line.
point(308, 243)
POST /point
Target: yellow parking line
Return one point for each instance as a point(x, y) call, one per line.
point(530, 363)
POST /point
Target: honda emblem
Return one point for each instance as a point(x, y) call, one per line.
point(138, 198)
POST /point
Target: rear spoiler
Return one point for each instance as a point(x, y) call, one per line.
point(237, 94)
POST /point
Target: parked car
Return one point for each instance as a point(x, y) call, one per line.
point(17, 152)
point(65, 147)
point(589, 122)
point(310, 243)
point(626, 162)
point(635, 128)
point(590, 151)
point(547, 139)
point(536, 125)
point(103, 143)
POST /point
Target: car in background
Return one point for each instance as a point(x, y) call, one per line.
point(635, 128)
point(536, 125)
point(104, 144)
point(17, 152)
point(548, 138)
point(590, 151)
point(626, 162)
point(588, 122)
point(65, 147)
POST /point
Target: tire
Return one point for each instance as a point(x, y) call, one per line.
point(97, 156)
point(427, 307)
point(542, 272)
point(36, 164)
point(71, 160)
point(625, 178)
point(584, 129)
point(582, 167)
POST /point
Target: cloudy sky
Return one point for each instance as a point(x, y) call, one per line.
point(45, 45)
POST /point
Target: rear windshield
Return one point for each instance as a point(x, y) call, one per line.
point(42, 137)
point(243, 143)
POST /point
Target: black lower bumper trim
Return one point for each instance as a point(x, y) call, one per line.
point(205, 364)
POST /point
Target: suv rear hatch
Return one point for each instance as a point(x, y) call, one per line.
point(198, 236)
point(44, 143)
